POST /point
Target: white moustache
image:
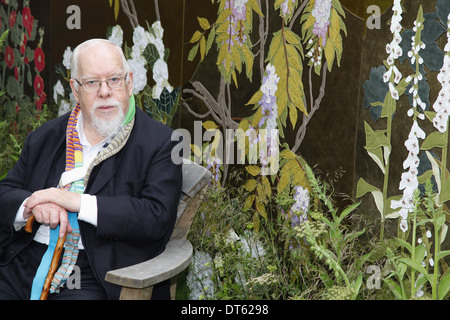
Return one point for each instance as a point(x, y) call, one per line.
point(109, 103)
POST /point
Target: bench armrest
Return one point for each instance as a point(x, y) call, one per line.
point(173, 260)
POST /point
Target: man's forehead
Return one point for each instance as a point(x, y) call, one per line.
point(100, 60)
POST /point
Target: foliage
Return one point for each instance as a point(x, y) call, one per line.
point(281, 97)
point(414, 268)
point(23, 97)
point(284, 259)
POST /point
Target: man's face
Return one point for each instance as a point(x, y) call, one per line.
point(103, 109)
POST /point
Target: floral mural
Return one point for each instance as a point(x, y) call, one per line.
point(24, 95)
point(270, 227)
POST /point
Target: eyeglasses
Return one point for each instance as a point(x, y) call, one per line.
point(95, 85)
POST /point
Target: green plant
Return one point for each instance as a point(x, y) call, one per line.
point(416, 264)
point(281, 257)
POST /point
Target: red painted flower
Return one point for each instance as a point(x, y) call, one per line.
point(27, 20)
point(16, 73)
point(39, 59)
point(24, 44)
point(38, 85)
point(12, 19)
point(9, 57)
point(40, 101)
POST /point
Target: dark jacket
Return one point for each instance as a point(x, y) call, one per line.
point(137, 193)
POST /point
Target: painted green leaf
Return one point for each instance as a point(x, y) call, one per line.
point(433, 140)
point(151, 54)
point(364, 187)
point(444, 287)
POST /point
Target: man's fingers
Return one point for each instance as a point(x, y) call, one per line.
point(53, 215)
point(64, 225)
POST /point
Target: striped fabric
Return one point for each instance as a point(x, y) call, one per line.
point(74, 159)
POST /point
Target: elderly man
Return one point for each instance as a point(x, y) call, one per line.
point(102, 175)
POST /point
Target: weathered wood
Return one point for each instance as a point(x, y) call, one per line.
point(169, 263)
point(184, 222)
point(173, 287)
point(137, 281)
point(136, 294)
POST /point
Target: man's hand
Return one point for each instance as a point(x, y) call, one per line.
point(71, 201)
point(52, 215)
point(50, 206)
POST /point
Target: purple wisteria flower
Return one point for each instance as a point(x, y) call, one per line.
point(269, 111)
point(321, 12)
point(300, 206)
point(236, 27)
point(268, 102)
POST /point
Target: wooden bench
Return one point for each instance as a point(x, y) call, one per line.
point(137, 281)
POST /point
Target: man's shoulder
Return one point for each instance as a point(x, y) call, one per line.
point(52, 126)
point(149, 126)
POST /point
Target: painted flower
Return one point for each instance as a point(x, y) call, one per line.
point(394, 50)
point(235, 29)
point(285, 7)
point(12, 19)
point(321, 11)
point(441, 105)
point(9, 56)
point(39, 59)
point(116, 35)
point(66, 58)
point(268, 101)
point(140, 38)
point(24, 44)
point(300, 206)
point(38, 85)
point(27, 20)
point(158, 29)
point(64, 107)
point(139, 75)
point(58, 90)
point(40, 101)
point(160, 75)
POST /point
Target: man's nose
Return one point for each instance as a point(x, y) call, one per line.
point(104, 90)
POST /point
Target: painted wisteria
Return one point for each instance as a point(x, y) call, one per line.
point(300, 207)
point(269, 109)
point(321, 12)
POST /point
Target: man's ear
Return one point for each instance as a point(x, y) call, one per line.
point(130, 83)
point(75, 87)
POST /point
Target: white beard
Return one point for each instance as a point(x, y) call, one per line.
point(110, 127)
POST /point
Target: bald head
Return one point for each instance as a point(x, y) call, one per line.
point(94, 43)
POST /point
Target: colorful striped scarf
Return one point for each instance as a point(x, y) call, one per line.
point(74, 159)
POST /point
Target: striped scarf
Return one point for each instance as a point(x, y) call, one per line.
point(74, 160)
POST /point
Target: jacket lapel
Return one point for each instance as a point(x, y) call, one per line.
point(102, 173)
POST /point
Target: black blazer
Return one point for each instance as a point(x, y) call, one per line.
point(137, 191)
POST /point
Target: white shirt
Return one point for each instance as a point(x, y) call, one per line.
point(88, 208)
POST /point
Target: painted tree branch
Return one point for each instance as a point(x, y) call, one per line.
point(315, 105)
point(158, 17)
point(131, 14)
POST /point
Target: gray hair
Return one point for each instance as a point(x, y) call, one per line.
point(89, 44)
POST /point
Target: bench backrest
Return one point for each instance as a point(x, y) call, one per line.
point(195, 183)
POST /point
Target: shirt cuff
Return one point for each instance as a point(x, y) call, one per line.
point(88, 209)
point(19, 221)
